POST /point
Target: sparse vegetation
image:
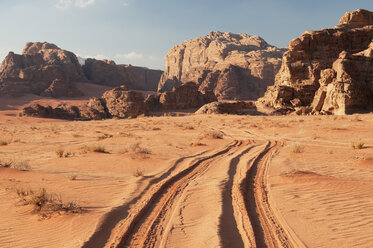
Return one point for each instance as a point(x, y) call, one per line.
point(5, 142)
point(72, 177)
point(214, 134)
point(104, 136)
point(297, 148)
point(138, 173)
point(18, 165)
point(137, 151)
point(94, 148)
point(61, 153)
point(357, 145)
point(46, 203)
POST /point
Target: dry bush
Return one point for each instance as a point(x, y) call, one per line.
point(61, 153)
point(188, 127)
point(46, 203)
point(95, 148)
point(156, 129)
point(72, 177)
point(137, 151)
point(297, 148)
point(104, 136)
point(138, 173)
point(357, 145)
point(213, 134)
point(17, 165)
point(5, 141)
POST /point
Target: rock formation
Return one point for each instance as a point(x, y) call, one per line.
point(42, 68)
point(233, 66)
point(45, 69)
point(230, 107)
point(327, 71)
point(185, 96)
point(108, 73)
point(123, 103)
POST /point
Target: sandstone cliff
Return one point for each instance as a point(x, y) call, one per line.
point(40, 66)
point(45, 69)
point(234, 66)
point(108, 73)
point(327, 71)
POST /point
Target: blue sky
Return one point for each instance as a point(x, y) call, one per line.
point(140, 32)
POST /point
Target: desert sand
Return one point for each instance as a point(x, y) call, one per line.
point(197, 181)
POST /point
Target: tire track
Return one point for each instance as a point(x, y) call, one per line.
point(268, 230)
point(144, 228)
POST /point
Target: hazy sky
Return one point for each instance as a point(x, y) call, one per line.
point(140, 32)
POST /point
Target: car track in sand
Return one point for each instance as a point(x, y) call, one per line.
point(248, 208)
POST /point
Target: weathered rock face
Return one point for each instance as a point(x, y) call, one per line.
point(121, 102)
point(108, 73)
point(44, 69)
point(185, 96)
point(330, 70)
point(37, 68)
point(233, 66)
point(118, 102)
point(232, 107)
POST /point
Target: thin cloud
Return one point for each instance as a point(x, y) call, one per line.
point(64, 4)
point(131, 55)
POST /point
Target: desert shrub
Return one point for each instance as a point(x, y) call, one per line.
point(138, 173)
point(104, 136)
point(46, 203)
point(21, 165)
point(72, 177)
point(357, 145)
point(137, 151)
point(188, 127)
point(61, 153)
point(5, 141)
point(94, 148)
point(214, 134)
point(297, 148)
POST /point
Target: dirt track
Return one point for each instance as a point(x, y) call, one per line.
point(247, 219)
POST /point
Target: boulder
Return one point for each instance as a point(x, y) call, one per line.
point(231, 107)
point(185, 96)
point(121, 102)
point(233, 66)
point(330, 70)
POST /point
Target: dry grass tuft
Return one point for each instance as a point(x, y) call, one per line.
point(94, 148)
point(5, 142)
point(137, 151)
point(214, 134)
point(297, 148)
point(45, 203)
point(61, 153)
point(357, 145)
point(104, 136)
point(138, 173)
point(17, 165)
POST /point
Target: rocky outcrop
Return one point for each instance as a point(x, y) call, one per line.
point(45, 69)
point(118, 102)
point(60, 112)
point(327, 71)
point(41, 69)
point(233, 66)
point(185, 96)
point(108, 73)
point(123, 103)
point(231, 107)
